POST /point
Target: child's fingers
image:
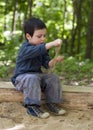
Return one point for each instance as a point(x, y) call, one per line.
point(60, 58)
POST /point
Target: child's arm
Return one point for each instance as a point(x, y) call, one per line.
point(55, 43)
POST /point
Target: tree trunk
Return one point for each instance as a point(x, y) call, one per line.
point(73, 33)
point(30, 3)
point(89, 45)
point(14, 16)
point(78, 13)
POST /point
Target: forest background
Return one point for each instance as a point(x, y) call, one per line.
point(70, 20)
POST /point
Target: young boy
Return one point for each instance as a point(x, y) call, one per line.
point(28, 76)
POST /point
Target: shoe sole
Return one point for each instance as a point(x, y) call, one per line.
point(45, 115)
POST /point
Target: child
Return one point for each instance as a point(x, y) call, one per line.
point(28, 76)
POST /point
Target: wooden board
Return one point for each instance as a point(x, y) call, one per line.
point(73, 97)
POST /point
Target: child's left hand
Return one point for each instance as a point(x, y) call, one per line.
point(60, 58)
point(55, 60)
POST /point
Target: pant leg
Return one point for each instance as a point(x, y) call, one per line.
point(30, 85)
point(53, 89)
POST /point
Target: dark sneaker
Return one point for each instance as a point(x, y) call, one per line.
point(55, 109)
point(35, 110)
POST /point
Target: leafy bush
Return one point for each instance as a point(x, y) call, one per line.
point(8, 54)
point(73, 70)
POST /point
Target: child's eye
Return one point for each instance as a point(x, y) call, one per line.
point(39, 36)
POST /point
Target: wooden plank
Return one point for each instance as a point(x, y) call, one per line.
point(66, 88)
point(73, 97)
point(10, 95)
point(77, 89)
point(78, 100)
point(6, 85)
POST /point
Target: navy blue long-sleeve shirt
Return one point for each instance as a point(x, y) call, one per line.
point(30, 59)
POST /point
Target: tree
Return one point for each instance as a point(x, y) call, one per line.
point(89, 40)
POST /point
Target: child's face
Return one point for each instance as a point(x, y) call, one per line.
point(38, 37)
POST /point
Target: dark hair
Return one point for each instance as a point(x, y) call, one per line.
point(32, 24)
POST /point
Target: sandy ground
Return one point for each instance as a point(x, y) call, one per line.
point(13, 116)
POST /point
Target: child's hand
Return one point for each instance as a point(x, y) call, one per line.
point(60, 59)
point(57, 42)
point(53, 61)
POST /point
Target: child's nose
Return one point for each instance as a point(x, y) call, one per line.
point(43, 38)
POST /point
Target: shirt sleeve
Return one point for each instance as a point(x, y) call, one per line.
point(32, 51)
point(46, 59)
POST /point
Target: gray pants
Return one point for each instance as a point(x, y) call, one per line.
point(32, 85)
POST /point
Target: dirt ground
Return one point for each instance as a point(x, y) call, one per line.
point(13, 116)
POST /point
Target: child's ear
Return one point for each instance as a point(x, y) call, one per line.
point(28, 36)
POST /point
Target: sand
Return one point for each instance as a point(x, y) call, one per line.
point(13, 116)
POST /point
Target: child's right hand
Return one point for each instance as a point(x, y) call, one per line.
point(57, 42)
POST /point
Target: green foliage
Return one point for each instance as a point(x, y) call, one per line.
point(9, 50)
point(74, 70)
point(61, 20)
point(8, 55)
